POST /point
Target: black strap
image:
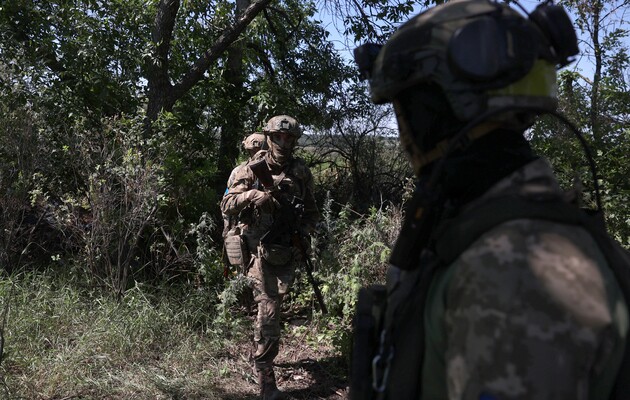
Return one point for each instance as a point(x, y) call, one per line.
point(454, 235)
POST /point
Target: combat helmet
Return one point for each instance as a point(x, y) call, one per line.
point(255, 141)
point(482, 55)
point(283, 123)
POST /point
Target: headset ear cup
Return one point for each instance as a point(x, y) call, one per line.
point(493, 51)
point(558, 29)
point(473, 50)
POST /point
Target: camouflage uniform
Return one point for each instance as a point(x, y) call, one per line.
point(271, 276)
point(252, 144)
point(529, 311)
point(230, 221)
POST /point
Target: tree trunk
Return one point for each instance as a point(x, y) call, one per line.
point(233, 130)
point(162, 93)
point(160, 87)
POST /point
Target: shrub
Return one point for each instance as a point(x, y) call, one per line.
point(353, 252)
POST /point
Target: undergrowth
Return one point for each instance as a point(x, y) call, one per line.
point(64, 338)
point(353, 252)
point(62, 341)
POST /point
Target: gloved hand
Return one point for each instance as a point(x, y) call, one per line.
point(260, 198)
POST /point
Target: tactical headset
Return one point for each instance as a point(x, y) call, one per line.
point(489, 51)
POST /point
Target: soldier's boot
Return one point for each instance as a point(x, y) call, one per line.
point(267, 383)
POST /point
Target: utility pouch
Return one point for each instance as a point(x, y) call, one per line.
point(236, 248)
point(368, 324)
point(276, 254)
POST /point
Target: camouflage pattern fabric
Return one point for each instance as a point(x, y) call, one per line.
point(529, 311)
point(269, 282)
point(228, 221)
point(269, 285)
point(233, 174)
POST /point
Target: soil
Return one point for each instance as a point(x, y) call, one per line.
point(303, 371)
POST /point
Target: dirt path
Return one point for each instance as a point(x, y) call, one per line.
point(303, 371)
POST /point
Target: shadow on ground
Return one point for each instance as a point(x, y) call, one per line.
point(327, 378)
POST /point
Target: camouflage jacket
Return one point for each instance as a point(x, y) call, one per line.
point(296, 180)
point(230, 220)
point(529, 311)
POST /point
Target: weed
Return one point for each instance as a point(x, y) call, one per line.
point(62, 341)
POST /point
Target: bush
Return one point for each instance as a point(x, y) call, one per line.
point(353, 252)
point(28, 238)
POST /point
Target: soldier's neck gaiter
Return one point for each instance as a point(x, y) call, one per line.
point(470, 173)
point(280, 155)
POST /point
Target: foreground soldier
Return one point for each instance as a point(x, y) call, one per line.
point(495, 292)
point(273, 257)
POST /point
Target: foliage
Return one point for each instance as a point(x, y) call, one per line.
point(64, 341)
point(359, 159)
point(77, 56)
point(112, 223)
point(18, 167)
point(29, 237)
point(97, 190)
point(372, 20)
point(78, 64)
point(598, 105)
point(229, 310)
point(353, 253)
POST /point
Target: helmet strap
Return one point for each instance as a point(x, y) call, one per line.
point(443, 147)
point(420, 158)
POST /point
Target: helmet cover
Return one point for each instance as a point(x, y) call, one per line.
point(481, 54)
point(255, 141)
point(283, 123)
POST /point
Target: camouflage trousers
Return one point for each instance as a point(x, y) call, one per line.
point(269, 284)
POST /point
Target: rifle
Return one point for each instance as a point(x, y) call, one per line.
point(292, 208)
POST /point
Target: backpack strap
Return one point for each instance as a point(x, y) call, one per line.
point(454, 235)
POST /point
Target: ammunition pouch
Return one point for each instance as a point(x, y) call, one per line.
point(236, 248)
point(276, 254)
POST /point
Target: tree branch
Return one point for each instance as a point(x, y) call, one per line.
point(264, 60)
point(223, 42)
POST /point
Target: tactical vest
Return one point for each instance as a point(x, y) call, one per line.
point(388, 348)
point(239, 243)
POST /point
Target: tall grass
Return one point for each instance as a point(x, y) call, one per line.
point(353, 252)
point(66, 338)
point(62, 341)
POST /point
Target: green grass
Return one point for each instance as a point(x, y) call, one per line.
point(65, 342)
point(67, 339)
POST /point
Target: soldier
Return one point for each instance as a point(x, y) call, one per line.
point(273, 259)
point(252, 145)
point(526, 306)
